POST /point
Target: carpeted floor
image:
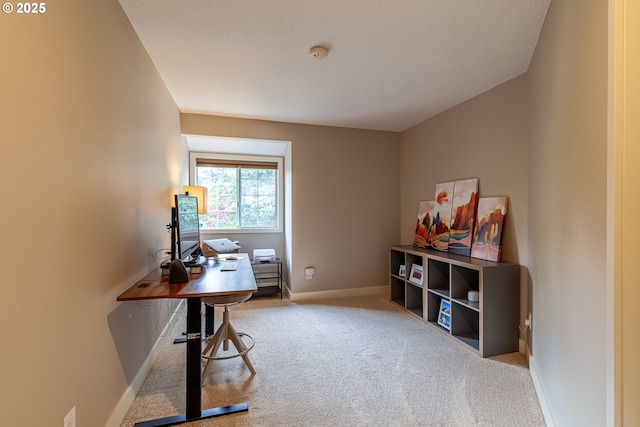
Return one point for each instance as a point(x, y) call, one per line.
point(345, 362)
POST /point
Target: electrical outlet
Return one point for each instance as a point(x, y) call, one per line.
point(70, 418)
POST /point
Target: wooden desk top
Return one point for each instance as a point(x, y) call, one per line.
point(211, 282)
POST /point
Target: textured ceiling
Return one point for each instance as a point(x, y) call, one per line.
point(391, 64)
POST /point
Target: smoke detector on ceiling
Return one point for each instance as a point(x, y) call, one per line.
point(318, 52)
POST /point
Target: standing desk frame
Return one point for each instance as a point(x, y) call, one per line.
point(211, 282)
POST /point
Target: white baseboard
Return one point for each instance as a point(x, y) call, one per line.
point(542, 397)
point(339, 293)
point(121, 409)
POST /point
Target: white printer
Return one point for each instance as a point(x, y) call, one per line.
point(264, 255)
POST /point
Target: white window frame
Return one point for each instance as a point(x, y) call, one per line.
point(248, 158)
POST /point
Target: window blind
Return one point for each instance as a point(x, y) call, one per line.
point(228, 163)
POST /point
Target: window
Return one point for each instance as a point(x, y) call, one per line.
point(243, 192)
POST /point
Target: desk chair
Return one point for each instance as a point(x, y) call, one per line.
point(226, 332)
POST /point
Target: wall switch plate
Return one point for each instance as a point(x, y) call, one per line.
point(70, 418)
point(527, 322)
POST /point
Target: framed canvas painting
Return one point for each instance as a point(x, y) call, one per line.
point(487, 239)
point(441, 218)
point(463, 216)
point(424, 232)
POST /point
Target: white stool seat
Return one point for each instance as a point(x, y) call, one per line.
point(226, 299)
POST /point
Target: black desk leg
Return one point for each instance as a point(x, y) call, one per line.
point(194, 357)
point(194, 366)
point(208, 320)
point(209, 323)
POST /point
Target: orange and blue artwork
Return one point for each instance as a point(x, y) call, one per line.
point(463, 216)
point(424, 231)
point(487, 238)
point(441, 219)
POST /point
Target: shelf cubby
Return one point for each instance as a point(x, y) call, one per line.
point(397, 290)
point(433, 309)
point(463, 280)
point(414, 300)
point(397, 259)
point(406, 294)
point(438, 276)
point(465, 325)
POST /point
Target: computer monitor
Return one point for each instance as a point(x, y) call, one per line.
point(186, 228)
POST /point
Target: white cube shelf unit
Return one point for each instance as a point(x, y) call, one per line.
point(488, 327)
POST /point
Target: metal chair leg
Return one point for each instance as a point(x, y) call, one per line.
point(226, 332)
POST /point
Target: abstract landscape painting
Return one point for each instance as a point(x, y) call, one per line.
point(424, 227)
point(442, 216)
point(463, 216)
point(487, 239)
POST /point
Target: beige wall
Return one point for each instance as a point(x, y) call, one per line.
point(91, 152)
point(484, 138)
point(568, 210)
point(624, 198)
point(345, 194)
